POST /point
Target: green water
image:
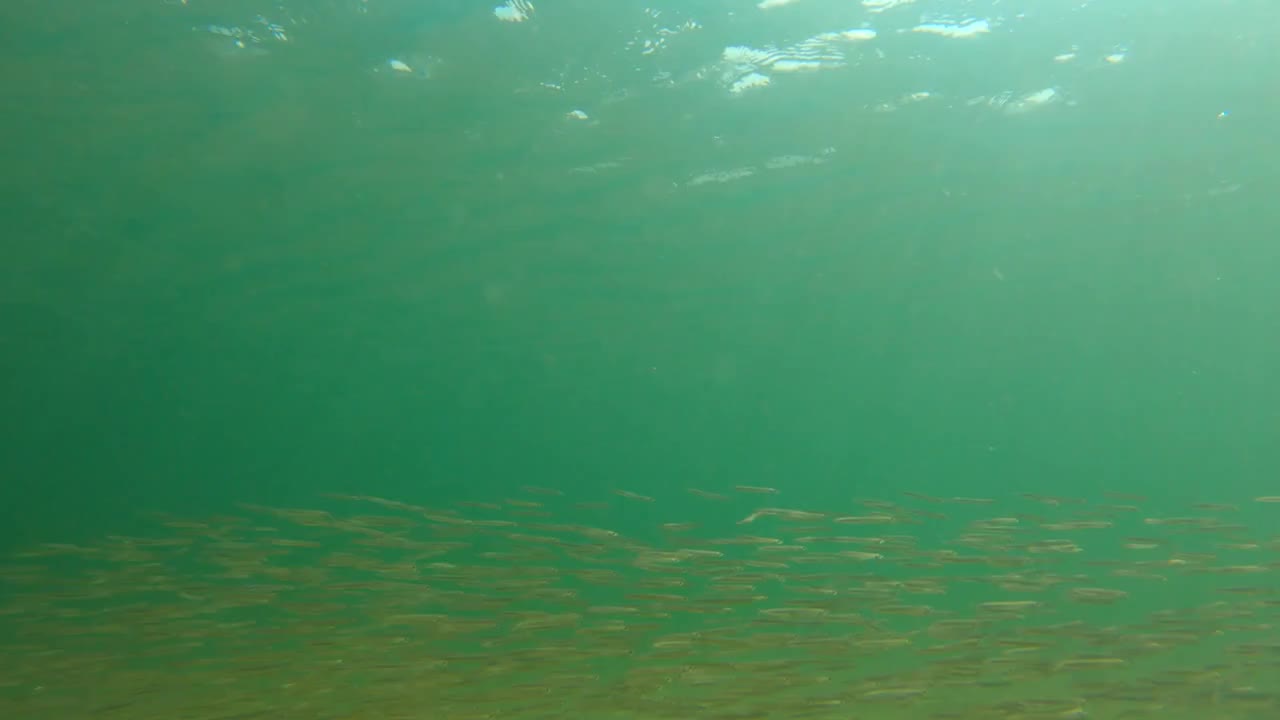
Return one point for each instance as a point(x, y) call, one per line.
point(225, 283)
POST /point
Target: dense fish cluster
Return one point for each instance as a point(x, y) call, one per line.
point(728, 605)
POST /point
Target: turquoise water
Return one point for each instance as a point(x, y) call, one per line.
point(261, 274)
point(257, 277)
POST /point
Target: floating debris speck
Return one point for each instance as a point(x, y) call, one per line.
point(1033, 101)
point(879, 6)
point(967, 29)
point(514, 11)
point(750, 81)
point(722, 176)
point(855, 35)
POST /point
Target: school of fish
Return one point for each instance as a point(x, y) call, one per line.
point(920, 607)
